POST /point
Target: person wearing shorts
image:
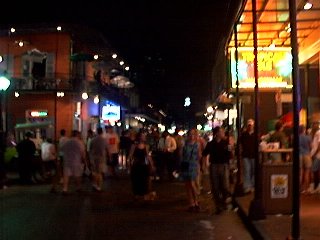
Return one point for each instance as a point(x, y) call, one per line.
point(97, 152)
point(73, 160)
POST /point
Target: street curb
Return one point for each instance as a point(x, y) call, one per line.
point(251, 227)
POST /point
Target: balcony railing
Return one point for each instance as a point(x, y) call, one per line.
point(65, 82)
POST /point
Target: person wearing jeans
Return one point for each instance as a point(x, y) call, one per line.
point(219, 154)
point(247, 143)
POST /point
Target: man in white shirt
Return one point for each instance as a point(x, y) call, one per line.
point(170, 146)
point(112, 140)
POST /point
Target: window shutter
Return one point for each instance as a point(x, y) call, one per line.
point(6, 66)
point(50, 65)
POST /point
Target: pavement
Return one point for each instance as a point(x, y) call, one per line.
point(278, 226)
point(31, 212)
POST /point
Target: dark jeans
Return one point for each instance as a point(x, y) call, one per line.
point(219, 179)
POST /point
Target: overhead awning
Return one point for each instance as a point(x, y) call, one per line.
point(81, 57)
point(273, 27)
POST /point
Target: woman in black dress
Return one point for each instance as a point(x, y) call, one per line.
point(141, 168)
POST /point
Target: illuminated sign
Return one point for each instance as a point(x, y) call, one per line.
point(37, 113)
point(274, 68)
point(111, 113)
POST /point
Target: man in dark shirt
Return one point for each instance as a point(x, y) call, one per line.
point(247, 143)
point(219, 154)
point(26, 150)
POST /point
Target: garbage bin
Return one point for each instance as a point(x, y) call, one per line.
point(277, 187)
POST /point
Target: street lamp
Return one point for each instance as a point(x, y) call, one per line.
point(4, 85)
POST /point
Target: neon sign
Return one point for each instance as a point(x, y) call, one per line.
point(39, 114)
point(274, 67)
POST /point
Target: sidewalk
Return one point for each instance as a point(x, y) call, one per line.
point(278, 227)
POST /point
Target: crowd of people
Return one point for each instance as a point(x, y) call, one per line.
point(149, 156)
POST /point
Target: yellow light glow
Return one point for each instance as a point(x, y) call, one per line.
point(274, 66)
point(210, 109)
point(307, 6)
point(84, 96)
point(96, 100)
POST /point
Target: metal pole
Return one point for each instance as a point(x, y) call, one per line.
point(239, 185)
point(306, 92)
point(295, 228)
point(256, 210)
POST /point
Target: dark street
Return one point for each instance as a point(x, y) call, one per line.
point(31, 212)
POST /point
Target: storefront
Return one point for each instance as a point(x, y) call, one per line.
point(274, 59)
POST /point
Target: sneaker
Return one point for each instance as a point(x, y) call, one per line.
point(96, 189)
point(175, 174)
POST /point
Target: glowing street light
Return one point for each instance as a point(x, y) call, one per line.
point(199, 127)
point(59, 28)
point(121, 63)
point(96, 56)
point(209, 109)
point(12, 30)
point(187, 102)
point(84, 96)
point(307, 6)
point(127, 68)
point(96, 99)
point(114, 55)
point(21, 44)
point(4, 83)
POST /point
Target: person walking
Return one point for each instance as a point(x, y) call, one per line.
point(315, 155)
point(219, 154)
point(97, 156)
point(141, 168)
point(73, 161)
point(26, 152)
point(189, 170)
point(170, 147)
point(112, 139)
point(247, 140)
point(305, 159)
point(48, 156)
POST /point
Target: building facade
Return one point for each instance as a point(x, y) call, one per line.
point(62, 76)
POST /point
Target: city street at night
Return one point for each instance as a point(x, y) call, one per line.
point(216, 103)
point(31, 212)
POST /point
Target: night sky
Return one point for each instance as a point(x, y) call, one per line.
point(169, 45)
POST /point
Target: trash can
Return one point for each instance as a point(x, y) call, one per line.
point(277, 187)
